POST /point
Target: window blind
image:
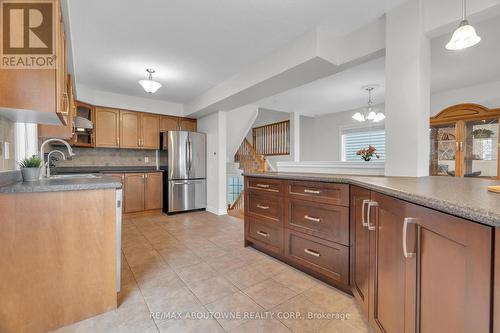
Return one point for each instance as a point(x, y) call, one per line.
point(352, 141)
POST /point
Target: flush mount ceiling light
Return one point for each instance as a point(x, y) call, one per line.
point(149, 85)
point(464, 36)
point(371, 113)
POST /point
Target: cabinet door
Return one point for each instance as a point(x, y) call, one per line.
point(169, 123)
point(150, 131)
point(186, 124)
point(153, 191)
point(134, 192)
point(392, 289)
point(107, 127)
point(454, 280)
point(130, 129)
point(360, 251)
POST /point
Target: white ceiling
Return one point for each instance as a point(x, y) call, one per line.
point(449, 70)
point(194, 44)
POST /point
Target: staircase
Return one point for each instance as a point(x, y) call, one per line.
point(249, 161)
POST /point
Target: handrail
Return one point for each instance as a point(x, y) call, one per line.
point(238, 203)
point(248, 158)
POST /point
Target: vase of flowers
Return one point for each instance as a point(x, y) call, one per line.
point(368, 153)
point(30, 168)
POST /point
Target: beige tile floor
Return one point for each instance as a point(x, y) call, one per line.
point(195, 263)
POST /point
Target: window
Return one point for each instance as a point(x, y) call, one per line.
point(26, 140)
point(356, 139)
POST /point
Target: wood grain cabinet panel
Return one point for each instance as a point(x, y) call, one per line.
point(360, 250)
point(334, 194)
point(264, 185)
point(168, 123)
point(153, 191)
point(266, 235)
point(134, 192)
point(265, 207)
point(186, 124)
point(321, 220)
point(327, 258)
point(130, 129)
point(107, 127)
point(150, 131)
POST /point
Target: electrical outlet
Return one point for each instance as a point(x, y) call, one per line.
point(146, 159)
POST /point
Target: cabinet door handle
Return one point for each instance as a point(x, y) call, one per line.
point(310, 218)
point(363, 220)
point(146, 175)
point(262, 185)
point(263, 234)
point(262, 207)
point(306, 190)
point(312, 253)
point(368, 218)
point(461, 145)
point(407, 221)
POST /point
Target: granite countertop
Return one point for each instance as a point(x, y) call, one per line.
point(57, 185)
point(103, 169)
point(463, 197)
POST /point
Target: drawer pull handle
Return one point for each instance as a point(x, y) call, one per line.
point(312, 253)
point(306, 190)
point(262, 233)
point(262, 207)
point(310, 218)
point(406, 221)
point(263, 185)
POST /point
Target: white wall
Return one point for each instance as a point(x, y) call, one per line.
point(239, 121)
point(214, 125)
point(104, 98)
point(320, 137)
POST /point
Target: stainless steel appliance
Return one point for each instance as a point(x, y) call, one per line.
point(183, 157)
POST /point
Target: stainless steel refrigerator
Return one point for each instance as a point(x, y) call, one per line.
point(185, 170)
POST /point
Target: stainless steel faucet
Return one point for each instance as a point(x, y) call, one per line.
point(47, 164)
point(45, 169)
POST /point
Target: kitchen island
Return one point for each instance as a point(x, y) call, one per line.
point(417, 253)
point(58, 242)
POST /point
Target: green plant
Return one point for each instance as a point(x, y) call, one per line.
point(31, 162)
point(482, 133)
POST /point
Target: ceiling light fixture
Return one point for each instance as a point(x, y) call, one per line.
point(371, 113)
point(464, 36)
point(149, 85)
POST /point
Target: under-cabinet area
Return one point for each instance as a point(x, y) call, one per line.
point(410, 268)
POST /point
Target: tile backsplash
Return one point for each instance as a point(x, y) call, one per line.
point(108, 157)
point(7, 135)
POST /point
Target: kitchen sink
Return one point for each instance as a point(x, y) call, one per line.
point(75, 175)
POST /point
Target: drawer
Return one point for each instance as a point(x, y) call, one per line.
point(266, 235)
point(264, 185)
point(326, 258)
point(335, 194)
point(321, 220)
point(264, 206)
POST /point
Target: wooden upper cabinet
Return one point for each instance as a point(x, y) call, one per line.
point(130, 129)
point(107, 127)
point(150, 131)
point(168, 123)
point(360, 251)
point(133, 192)
point(186, 124)
point(153, 191)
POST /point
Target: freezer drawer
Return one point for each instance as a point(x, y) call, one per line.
point(186, 195)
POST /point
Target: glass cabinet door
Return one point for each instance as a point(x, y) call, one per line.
point(480, 148)
point(443, 150)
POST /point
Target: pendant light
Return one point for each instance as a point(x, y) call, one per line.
point(149, 85)
point(464, 36)
point(371, 113)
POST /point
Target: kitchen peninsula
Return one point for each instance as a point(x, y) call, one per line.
point(394, 242)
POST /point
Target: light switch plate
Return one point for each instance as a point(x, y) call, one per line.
point(146, 159)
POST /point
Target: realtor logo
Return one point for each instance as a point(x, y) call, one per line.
point(27, 33)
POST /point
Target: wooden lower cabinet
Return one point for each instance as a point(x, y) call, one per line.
point(436, 279)
point(142, 192)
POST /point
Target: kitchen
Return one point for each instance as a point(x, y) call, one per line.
point(260, 167)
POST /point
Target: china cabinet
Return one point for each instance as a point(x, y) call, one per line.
point(465, 141)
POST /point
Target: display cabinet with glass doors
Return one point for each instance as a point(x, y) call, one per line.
point(464, 142)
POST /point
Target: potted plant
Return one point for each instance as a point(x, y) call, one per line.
point(368, 153)
point(30, 168)
point(482, 133)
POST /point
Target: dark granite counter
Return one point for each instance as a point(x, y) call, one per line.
point(102, 169)
point(463, 197)
point(63, 184)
